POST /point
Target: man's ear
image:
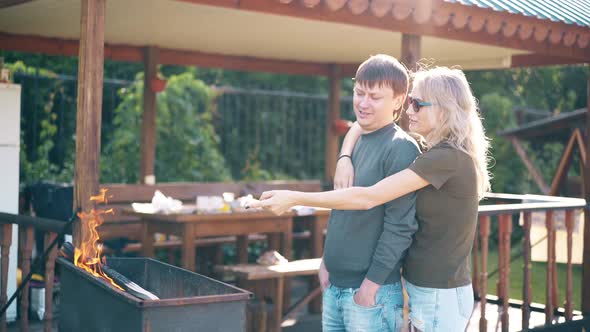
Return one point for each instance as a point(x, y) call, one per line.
point(398, 101)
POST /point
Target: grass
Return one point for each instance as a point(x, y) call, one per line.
point(538, 277)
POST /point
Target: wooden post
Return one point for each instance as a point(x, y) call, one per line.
point(49, 278)
point(526, 289)
point(506, 220)
point(88, 120)
point(333, 114)
point(484, 232)
point(5, 242)
point(411, 53)
point(550, 266)
point(569, 226)
point(148, 128)
point(586, 257)
point(25, 244)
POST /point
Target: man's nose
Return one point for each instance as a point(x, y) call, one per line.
point(364, 101)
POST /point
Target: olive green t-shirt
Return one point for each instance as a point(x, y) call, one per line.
point(439, 256)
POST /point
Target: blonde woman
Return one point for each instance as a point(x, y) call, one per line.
point(451, 176)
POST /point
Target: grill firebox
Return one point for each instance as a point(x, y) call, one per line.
point(188, 301)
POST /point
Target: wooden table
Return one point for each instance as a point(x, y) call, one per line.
point(189, 227)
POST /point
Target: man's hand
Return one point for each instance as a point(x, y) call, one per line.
point(324, 276)
point(344, 175)
point(366, 294)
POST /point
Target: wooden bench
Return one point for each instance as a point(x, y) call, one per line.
point(268, 281)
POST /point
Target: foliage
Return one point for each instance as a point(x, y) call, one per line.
point(549, 91)
point(187, 145)
point(36, 162)
point(507, 170)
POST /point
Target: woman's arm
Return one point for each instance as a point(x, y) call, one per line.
point(344, 175)
point(350, 139)
point(354, 198)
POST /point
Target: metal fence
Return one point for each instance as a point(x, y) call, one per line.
point(280, 134)
point(48, 113)
point(263, 134)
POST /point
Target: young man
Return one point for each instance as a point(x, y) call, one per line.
point(360, 270)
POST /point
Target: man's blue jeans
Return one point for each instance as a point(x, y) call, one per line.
point(341, 313)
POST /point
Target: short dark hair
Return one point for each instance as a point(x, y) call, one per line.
point(384, 70)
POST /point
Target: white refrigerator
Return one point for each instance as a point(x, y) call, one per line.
point(9, 172)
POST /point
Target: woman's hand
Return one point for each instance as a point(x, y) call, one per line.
point(344, 176)
point(276, 201)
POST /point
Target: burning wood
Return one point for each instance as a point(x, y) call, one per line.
point(88, 256)
point(67, 251)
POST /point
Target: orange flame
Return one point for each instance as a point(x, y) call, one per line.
point(88, 256)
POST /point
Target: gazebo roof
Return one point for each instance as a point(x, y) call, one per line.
point(564, 11)
point(306, 36)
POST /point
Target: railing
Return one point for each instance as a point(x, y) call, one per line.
point(503, 213)
point(26, 227)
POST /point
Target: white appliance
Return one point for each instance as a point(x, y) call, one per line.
point(9, 172)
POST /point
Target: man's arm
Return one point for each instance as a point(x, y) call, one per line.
point(398, 228)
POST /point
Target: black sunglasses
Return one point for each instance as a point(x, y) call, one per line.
point(417, 103)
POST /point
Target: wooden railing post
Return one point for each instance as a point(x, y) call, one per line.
point(49, 277)
point(569, 226)
point(25, 244)
point(499, 285)
point(506, 221)
point(484, 231)
point(526, 289)
point(5, 242)
point(550, 266)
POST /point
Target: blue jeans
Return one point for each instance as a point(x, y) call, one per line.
point(440, 309)
point(341, 313)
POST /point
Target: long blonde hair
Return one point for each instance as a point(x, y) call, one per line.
point(460, 124)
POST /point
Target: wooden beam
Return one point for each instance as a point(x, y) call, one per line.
point(564, 164)
point(10, 3)
point(532, 60)
point(88, 118)
point(411, 54)
point(537, 177)
point(411, 50)
point(242, 63)
point(332, 137)
point(148, 128)
point(581, 144)
point(67, 47)
point(586, 254)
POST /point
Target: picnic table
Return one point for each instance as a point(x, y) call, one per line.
point(191, 226)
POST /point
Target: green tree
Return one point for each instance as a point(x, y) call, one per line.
point(187, 145)
point(507, 169)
